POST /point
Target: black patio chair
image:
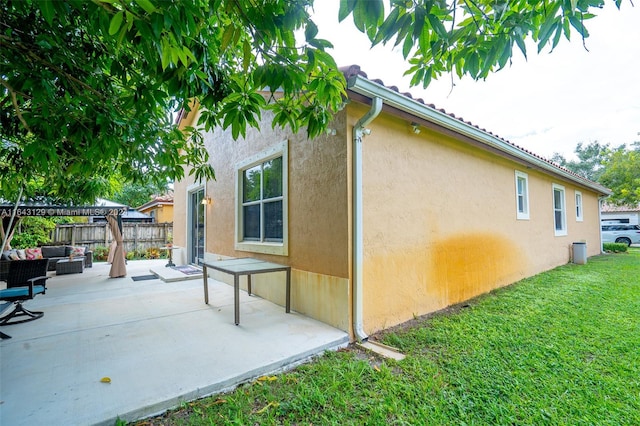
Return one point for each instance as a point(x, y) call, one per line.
point(26, 279)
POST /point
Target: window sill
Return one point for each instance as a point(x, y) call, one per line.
point(279, 249)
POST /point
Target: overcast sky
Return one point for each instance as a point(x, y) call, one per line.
point(546, 104)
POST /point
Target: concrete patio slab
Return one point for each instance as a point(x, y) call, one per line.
point(156, 341)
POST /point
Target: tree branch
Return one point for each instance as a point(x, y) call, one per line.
point(14, 101)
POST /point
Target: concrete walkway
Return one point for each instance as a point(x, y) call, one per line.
point(157, 342)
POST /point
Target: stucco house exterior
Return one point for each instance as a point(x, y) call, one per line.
point(160, 208)
point(399, 210)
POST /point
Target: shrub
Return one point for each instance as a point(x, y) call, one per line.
point(32, 232)
point(615, 247)
point(153, 253)
point(100, 253)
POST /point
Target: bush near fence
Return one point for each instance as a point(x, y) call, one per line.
point(138, 237)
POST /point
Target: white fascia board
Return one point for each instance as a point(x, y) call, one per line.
point(397, 100)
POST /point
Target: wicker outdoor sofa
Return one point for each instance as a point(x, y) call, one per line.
point(53, 253)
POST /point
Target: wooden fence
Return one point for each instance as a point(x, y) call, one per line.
point(137, 236)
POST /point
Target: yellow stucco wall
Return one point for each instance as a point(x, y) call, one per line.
point(318, 216)
point(440, 222)
point(163, 212)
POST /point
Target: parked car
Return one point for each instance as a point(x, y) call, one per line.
point(626, 234)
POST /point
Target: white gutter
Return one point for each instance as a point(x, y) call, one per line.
point(358, 239)
point(370, 89)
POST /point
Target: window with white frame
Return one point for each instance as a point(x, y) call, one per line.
point(261, 224)
point(579, 214)
point(559, 210)
point(522, 195)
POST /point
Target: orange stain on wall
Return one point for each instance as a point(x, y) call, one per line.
point(467, 265)
point(403, 282)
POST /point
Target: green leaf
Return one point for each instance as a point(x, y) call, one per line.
point(166, 55)
point(146, 5)
point(227, 36)
point(116, 22)
point(506, 54)
point(418, 23)
point(472, 64)
point(310, 31)
point(407, 46)
point(427, 78)
point(566, 28)
point(346, 7)
point(520, 42)
point(48, 10)
point(557, 36)
point(360, 15)
point(547, 31)
point(576, 23)
point(246, 55)
point(389, 27)
point(437, 26)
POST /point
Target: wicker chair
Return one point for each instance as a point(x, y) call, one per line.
point(26, 279)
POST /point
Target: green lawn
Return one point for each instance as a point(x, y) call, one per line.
point(560, 348)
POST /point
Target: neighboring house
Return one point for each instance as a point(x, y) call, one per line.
point(130, 216)
point(399, 210)
point(620, 214)
point(160, 208)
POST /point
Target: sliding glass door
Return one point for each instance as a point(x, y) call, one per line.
point(196, 227)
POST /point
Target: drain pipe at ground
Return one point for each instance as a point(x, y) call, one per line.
point(359, 131)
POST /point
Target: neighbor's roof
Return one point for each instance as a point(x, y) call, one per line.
point(158, 200)
point(610, 208)
point(438, 119)
point(108, 203)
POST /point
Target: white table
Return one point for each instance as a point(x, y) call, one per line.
point(245, 266)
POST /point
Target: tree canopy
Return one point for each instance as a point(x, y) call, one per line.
point(616, 168)
point(591, 160)
point(90, 89)
point(622, 174)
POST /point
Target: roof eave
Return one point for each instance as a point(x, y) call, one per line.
point(370, 89)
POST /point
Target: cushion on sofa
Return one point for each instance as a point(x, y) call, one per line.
point(77, 251)
point(53, 251)
point(33, 253)
point(21, 254)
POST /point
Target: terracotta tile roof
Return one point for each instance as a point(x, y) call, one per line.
point(167, 198)
point(354, 70)
point(157, 200)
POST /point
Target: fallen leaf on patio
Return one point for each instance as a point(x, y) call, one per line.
point(266, 407)
point(106, 380)
point(267, 378)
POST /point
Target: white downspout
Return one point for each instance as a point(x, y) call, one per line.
point(600, 202)
point(358, 239)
